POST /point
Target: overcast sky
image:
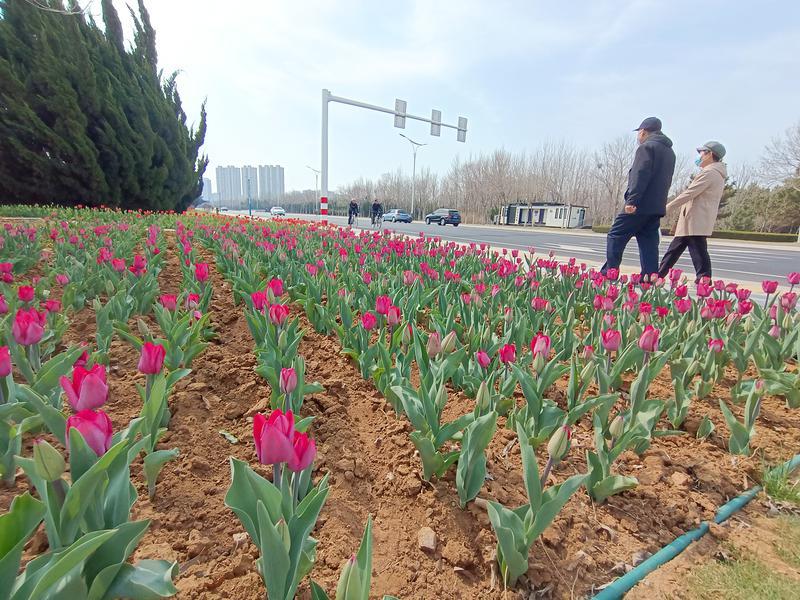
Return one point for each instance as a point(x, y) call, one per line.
point(522, 72)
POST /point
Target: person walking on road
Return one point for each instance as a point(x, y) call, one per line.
point(699, 206)
point(649, 180)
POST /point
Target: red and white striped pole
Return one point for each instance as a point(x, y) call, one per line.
point(323, 209)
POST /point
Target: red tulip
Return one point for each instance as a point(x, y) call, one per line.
point(681, 291)
point(662, 311)
point(649, 339)
point(508, 354)
point(192, 300)
point(25, 293)
point(278, 314)
point(368, 321)
point(794, 278)
point(139, 265)
point(118, 264)
point(304, 451)
point(743, 293)
point(288, 381)
point(769, 287)
point(169, 301)
point(151, 360)
point(273, 437)
point(5, 362)
point(540, 345)
point(611, 339)
point(382, 304)
point(52, 306)
point(3, 305)
point(612, 274)
point(482, 358)
point(95, 427)
point(745, 306)
point(28, 327)
point(201, 272)
point(87, 389)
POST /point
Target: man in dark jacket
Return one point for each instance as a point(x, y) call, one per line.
point(649, 181)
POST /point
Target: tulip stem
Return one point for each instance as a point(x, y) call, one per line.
point(148, 386)
point(546, 473)
point(276, 475)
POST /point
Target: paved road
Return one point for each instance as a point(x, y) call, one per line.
point(731, 260)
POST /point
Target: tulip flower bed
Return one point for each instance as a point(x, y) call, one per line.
point(221, 408)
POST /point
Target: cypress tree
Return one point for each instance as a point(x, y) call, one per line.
point(82, 120)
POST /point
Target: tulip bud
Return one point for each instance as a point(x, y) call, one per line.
point(617, 427)
point(349, 580)
point(558, 445)
point(282, 340)
point(441, 397)
point(407, 335)
point(288, 381)
point(48, 461)
point(283, 532)
point(449, 343)
point(434, 345)
point(5, 362)
point(483, 398)
point(588, 352)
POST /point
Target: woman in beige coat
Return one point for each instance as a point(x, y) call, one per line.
point(699, 206)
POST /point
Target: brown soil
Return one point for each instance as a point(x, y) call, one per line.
point(374, 470)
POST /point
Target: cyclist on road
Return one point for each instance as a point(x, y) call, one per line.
point(352, 212)
point(377, 212)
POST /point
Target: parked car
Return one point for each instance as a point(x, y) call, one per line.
point(277, 211)
point(223, 208)
point(444, 216)
point(397, 216)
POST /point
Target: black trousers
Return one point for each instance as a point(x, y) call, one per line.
point(698, 250)
point(645, 229)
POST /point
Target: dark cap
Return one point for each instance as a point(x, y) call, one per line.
point(650, 124)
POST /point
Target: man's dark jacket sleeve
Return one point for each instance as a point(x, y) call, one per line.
point(640, 174)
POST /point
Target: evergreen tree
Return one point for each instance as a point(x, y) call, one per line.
point(85, 121)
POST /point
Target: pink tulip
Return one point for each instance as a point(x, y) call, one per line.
point(394, 316)
point(482, 358)
point(716, 345)
point(260, 301)
point(662, 311)
point(6, 267)
point(201, 272)
point(789, 301)
point(288, 381)
point(82, 360)
point(118, 264)
point(508, 354)
point(151, 360)
point(775, 332)
point(703, 290)
point(649, 339)
point(273, 437)
point(769, 287)
point(52, 307)
point(278, 314)
point(681, 291)
point(139, 265)
point(169, 301)
point(794, 278)
point(409, 277)
point(745, 306)
point(683, 305)
point(192, 300)
point(612, 274)
point(95, 427)
point(588, 352)
point(382, 304)
point(5, 362)
point(645, 308)
point(87, 389)
point(25, 293)
point(675, 275)
point(28, 327)
point(538, 303)
point(368, 321)
point(743, 294)
point(540, 345)
point(62, 279)
point(3, 305)
point(304, 451)
point(276, 286)
point(611, 339)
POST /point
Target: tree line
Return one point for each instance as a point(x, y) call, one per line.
point(761, 197)
point(85, 119)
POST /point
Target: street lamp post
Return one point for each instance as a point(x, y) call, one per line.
point(249, 199)
point(414, 147)
point(316, 179)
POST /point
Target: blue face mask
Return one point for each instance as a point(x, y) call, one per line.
point(698, 159)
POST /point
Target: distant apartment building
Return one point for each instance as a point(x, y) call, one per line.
point(229, 185)
point(249, 184)
point(270, 183)
point(207, 191)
